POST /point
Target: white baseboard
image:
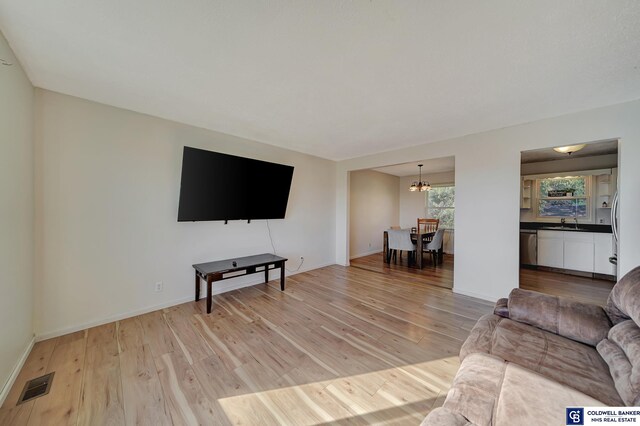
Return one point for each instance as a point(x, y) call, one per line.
point(218, 289)
point(485, 297)
point(16, 370)
point(107, 320)
point(368, 253)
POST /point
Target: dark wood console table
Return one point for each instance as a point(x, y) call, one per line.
point(215, 271)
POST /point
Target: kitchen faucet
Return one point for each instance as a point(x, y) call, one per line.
point(563, 221)
point(575, 219)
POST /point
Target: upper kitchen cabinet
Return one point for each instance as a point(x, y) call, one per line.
point(526, 191)
point(606, 186)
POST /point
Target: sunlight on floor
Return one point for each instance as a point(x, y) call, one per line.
point(399, 395)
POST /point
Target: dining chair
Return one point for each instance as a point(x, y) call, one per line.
point(427, 225)
point(435, 245)
point(399, 239)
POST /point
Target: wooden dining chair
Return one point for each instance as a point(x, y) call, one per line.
point(427, 225)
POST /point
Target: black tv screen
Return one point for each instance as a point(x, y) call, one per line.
point(217, 186)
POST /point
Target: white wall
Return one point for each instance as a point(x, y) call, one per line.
point(16, 215)
point(107, 186)
point(375, 206)
point(488, 191)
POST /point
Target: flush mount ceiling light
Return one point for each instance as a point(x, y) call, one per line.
point(420, 185)
point(569, 149)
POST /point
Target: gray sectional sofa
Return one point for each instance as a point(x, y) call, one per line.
point(538, 354)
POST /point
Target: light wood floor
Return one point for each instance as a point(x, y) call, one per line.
point(440, 275)
point(587, 290)
point(582, 289)
point(342, 345)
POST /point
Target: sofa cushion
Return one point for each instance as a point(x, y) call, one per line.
point(527, 398)
point(566, 361)
point(443, 416)
point(490, 391)
point(621, 351)
point(624, 299)
point(582, 322)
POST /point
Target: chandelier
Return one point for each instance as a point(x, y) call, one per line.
point(420, 185)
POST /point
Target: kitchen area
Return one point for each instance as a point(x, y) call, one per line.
point(568, 218)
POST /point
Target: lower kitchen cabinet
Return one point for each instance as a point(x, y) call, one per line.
point(551, 249)
point(578, 251)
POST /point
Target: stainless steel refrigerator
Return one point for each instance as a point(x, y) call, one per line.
point(614, 228)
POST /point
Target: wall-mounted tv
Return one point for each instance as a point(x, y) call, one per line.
point(219, 186)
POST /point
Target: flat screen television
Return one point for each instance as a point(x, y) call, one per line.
point(217, 186)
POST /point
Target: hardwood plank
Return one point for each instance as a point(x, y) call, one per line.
point(35, 366)
point(228, 347)
point(581, 289)
point(157, 333)
point(60, 405)
point(101, 400)
point(185, 397)
point(217, 380)
point(103, 335)
point(193, 346)
point(130, 334)
point(144, 401)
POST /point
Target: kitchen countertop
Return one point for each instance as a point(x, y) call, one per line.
point(569, 226)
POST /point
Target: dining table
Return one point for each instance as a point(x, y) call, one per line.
point(420, 238)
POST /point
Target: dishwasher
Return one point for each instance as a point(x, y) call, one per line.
point(528, 247)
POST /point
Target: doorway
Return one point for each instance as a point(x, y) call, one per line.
point(381, 198)
point(567, 217)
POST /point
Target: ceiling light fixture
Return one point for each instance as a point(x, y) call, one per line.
point(569, 149)
point(420, 185)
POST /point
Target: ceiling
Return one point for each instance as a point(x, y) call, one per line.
point(333, 78)
point(592, 149)
point(436, 165)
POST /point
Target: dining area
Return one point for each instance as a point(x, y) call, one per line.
point(426, 237)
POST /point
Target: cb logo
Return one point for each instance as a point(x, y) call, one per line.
point(575, 416)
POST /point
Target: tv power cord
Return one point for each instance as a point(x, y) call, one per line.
point(274, 251)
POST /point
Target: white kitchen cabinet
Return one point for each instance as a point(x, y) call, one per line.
point(551, 249)
point(578, 251)
point(603, 250)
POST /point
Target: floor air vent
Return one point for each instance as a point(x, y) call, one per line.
point(35, 388)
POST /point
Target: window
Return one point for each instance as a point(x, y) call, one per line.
point(441, 205)
point(564, 197)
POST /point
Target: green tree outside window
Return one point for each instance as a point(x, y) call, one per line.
point(441, 205)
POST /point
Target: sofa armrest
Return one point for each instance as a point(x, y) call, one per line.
point(577, 321)
point(502, 308)
point(444, 417)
